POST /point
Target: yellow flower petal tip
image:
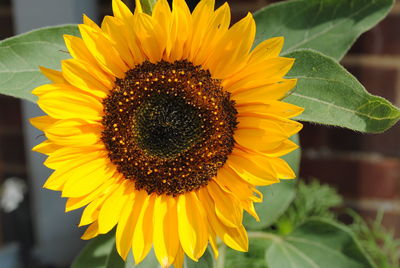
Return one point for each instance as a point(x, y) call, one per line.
point(162, 126)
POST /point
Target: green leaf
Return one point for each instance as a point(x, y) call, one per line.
point(147, 5)
point(149, 262)
point(332, 96)
point(317, 243)
point(329, 26)
point(100, 252)
point(254, 258)
point(96, 253)
point(22, 55)
point(206, 261)
point(277, 197)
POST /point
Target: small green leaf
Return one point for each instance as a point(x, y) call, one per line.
point(332, 96)
point(96, 253)
point(318, 243)
point(329, 26)
point(22, 55)
point(277, 197)
point(147, 6)
point(206, 261)
point(149, 262)
point(100, 252)
point(254, 258)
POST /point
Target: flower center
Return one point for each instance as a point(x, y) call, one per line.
point(168, 126)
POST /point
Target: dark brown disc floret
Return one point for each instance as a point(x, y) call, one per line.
point(168, 126)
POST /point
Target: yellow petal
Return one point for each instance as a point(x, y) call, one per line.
point(121, 11)
point(78, 50)
point(138, 8)
point(42, 122)
point(179, 259)
point(233, 49)
point(162, 14)
point(79, 74)
point(116, 30)
point(255, 169)
point(282, 168)
point(227, 207)
point(202, 18)
point(214, 32)
point(87, 177)
point(61, 157)
point(283, 125)
point(269, 48)
point(91, 232)
point(165, 235)
point(74, 132)
point(192, 226)
point(103, 51)
point(87, 21)
point(257, 75)
point(53, 75)
point(230, 180)
point(235, 238)
point(264, 133)
point(271, 107)
point(143, 234)
point(78, 202)
point(150, 36)
point(46, 147)
point(111, 209)
point(126, 225)
point(214, 245)
point(180, 30)
point(58, 178)
point(63, 102)
point(91, 212)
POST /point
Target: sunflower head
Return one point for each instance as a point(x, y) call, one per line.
point(163, 125)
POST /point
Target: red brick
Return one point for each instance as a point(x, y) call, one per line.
point(6, 29)
point(379, 81)
point(12, 149)
point(10, 112)
point(324, 137)
point(382, 39)
point(355, 177)
point(385, 143)
point(339, 139)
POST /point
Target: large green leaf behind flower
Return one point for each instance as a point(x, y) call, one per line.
point(328, 26)
point(332, 96)
point(317, 243)
point(21, 56)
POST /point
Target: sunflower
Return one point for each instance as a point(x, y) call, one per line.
point(163, 125)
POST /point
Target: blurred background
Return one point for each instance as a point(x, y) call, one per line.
point(365, 168)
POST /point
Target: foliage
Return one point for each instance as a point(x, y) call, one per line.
point(328, 26)
point(312, 200)
point(22, 55)
point(306, 235)
point(332, 96)
point(378, 242)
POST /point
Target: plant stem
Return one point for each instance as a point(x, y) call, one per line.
point(262, 235)
point(221, 257)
